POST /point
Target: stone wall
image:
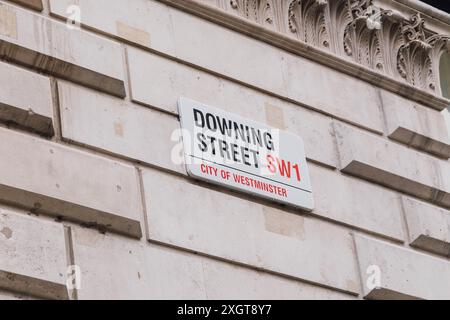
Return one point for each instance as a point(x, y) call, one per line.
point(90, 195)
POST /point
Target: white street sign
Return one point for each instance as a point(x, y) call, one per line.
point(244, 155)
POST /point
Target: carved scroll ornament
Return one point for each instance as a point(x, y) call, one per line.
point(356, 30)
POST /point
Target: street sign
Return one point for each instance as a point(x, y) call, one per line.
point(244, 155)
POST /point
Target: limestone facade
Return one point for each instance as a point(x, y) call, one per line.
point(93, 205)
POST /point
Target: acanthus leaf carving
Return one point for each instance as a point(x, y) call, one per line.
point(339, 16)
point(392, 40)
point(306, 18)
point(414, 62)
point(357, 30)
point(439, 44)
point(362, 36)
point(260, 11)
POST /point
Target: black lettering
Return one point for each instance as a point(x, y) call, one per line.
point(211, 122)
point(199, 118)
point(239, 130)
point(256, 136)
point(212, 140)
point(255, 157)
point(247, 131)
point(202, 139)
point(224, 149)
point(234, 152)
point(269, 141)
point(245, 156)
point(225, 126)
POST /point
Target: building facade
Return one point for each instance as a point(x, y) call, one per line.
point(95, 205)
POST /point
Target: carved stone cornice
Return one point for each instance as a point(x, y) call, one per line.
point(260, 11)
point(306, 19)
point(427, 9)
point(353, 36)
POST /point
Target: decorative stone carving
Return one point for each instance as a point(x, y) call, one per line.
point(339, 16)
point(439, 45)
point(413, 61)
point(392, 40)
point(362, 36)
point(260, 11)
point(354, 29)
point(418, 58)
point(306, 18)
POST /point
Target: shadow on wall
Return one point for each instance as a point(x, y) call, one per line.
point(445, 74)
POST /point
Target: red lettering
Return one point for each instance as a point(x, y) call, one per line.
point(208, 170)
point(271, 164)
point(297, 171)
point(285, 168)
